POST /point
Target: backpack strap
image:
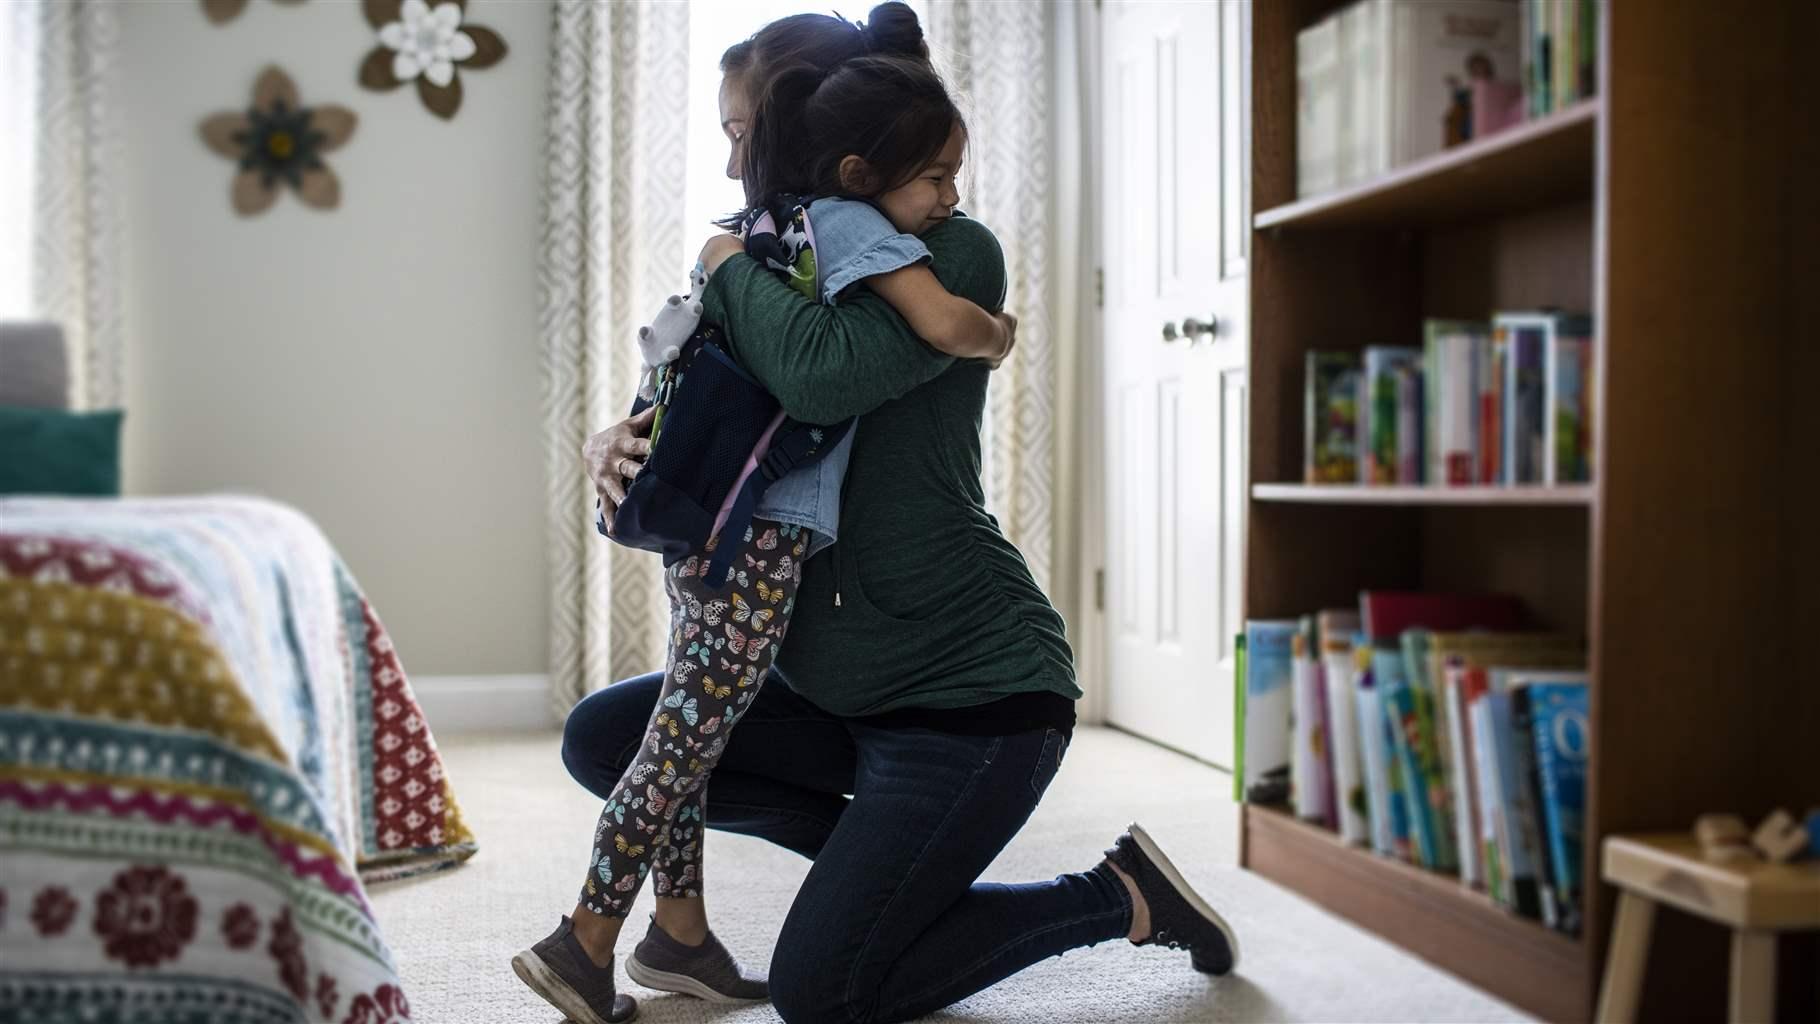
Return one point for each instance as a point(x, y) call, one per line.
point(794, 445)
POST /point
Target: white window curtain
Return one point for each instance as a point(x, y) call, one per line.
point(60, 183)
point(1013, 67)
point(612, 249)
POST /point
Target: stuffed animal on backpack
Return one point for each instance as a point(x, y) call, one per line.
point(662, 341)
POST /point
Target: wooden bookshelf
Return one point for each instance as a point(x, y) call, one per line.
point(1358, 494)
point(1680, 208)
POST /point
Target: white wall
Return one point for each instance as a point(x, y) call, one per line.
point(375, 366)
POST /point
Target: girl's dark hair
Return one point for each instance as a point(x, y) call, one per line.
point(892, 112)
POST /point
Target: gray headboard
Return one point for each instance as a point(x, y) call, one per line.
point(34, 365)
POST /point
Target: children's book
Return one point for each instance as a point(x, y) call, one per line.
point(1318, 98)
point(1526, 809)
point(1490, 803)
point(1428, 744)
point(1517, 847)
point(1568, 427)
point(1330, 418)
point(1238, 719)
point(1269, 678)
point(1339, 676)
point(1463, 779)
point(1558, 715)
point(1400, 704)
point(1374, 745)
point(1380, 411)
point(1310, 785)
point(1450, 354)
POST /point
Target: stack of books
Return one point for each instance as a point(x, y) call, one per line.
point(1433, 729)
point(1384, 82)
point(1501, 403)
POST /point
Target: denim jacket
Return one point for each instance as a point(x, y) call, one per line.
point(851, 241)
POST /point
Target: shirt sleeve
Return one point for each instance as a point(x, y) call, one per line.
point(826, 363)
point(854, 241)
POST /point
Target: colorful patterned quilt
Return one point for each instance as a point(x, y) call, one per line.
point(207, 743)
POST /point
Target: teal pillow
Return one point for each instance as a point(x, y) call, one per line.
point(54, 451)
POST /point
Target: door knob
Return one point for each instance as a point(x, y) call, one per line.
point(1192, 329)
point(1169, 331)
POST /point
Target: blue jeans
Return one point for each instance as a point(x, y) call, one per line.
point(891, 922)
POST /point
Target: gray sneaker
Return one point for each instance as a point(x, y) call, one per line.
point(558, 969)
point(707, 970)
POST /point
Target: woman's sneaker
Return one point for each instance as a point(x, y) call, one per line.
point(1179, 917)
point(708, 970)
point(558, 969)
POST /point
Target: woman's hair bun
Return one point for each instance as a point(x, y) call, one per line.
point(892, 30)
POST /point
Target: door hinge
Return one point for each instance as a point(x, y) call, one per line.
point(1099, 590)
point(1099, 287)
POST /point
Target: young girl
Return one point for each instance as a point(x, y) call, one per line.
point(878, 138)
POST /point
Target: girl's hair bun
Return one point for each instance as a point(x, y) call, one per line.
point(892, 30)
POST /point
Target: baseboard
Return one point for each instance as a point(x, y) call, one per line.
point(456, 705)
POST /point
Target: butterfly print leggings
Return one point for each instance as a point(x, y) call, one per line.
point(722, 641)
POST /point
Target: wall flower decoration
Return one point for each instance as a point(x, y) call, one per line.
point(220, 12)
point(279, 142)
point(428, 45)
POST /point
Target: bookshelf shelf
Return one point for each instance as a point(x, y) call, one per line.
point(1538, 163)
point(1359, 494)
point(1429, 914)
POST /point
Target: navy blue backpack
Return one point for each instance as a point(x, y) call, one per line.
point(713, 414)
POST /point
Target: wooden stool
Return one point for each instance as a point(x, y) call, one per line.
point(1755, 898)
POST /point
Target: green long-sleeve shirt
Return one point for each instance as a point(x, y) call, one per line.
point(937, 609)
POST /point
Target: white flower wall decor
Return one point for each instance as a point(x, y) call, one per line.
point(427, 44)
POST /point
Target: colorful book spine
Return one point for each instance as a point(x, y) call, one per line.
point(1380, 411)
point(1568, 444)
point(1429, 746)
point(1330, 418)
point(1516, 848)
point(1410, 425)
point(1558, 709)
point(1528, 807)
point(1340, 676)
point(1463, 780)
point(1491, 410)
point(1269, 677)
point(1400, 705)
point(1374, 747)
point(1310, 785)
point(1525, 395)
point(1489, 804)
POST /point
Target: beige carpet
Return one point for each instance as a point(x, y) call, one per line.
point(454, 933)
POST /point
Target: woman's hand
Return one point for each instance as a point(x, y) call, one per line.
point(614, 456)
point(1009, 323)
point(718, 249)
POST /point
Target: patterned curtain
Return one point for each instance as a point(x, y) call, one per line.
point(67, 159)
point(612, 249)
point(996, 57)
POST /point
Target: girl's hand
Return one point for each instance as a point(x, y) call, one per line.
point(718, 249)
point(614, 456)
point(1008, 323)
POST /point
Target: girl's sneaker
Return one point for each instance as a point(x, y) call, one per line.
point(1179, 917)
point(558, 969)
point(707, 970)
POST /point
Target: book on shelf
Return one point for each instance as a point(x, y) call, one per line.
point(1310, 772)
point(1330, 417)
point(1381, 83)
point(1264, 742)
point(1558, 713)
point(1560, 45)
point(1434, 729)
point(1546, 358)
point(1452, 352)
point(1338, 633)
point(1388, 373)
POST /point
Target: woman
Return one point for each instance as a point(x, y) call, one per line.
point(932, 682)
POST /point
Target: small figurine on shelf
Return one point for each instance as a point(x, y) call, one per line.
point(1723, 838)
point(1781, 838)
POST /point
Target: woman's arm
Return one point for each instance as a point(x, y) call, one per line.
point(826, 363)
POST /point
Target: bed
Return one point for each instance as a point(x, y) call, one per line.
point(208, 747)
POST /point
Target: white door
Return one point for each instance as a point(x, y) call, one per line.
point(1176, 96)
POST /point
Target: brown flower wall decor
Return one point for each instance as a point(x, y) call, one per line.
point(279, 142)
point(430, 45)
point(220, 12)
